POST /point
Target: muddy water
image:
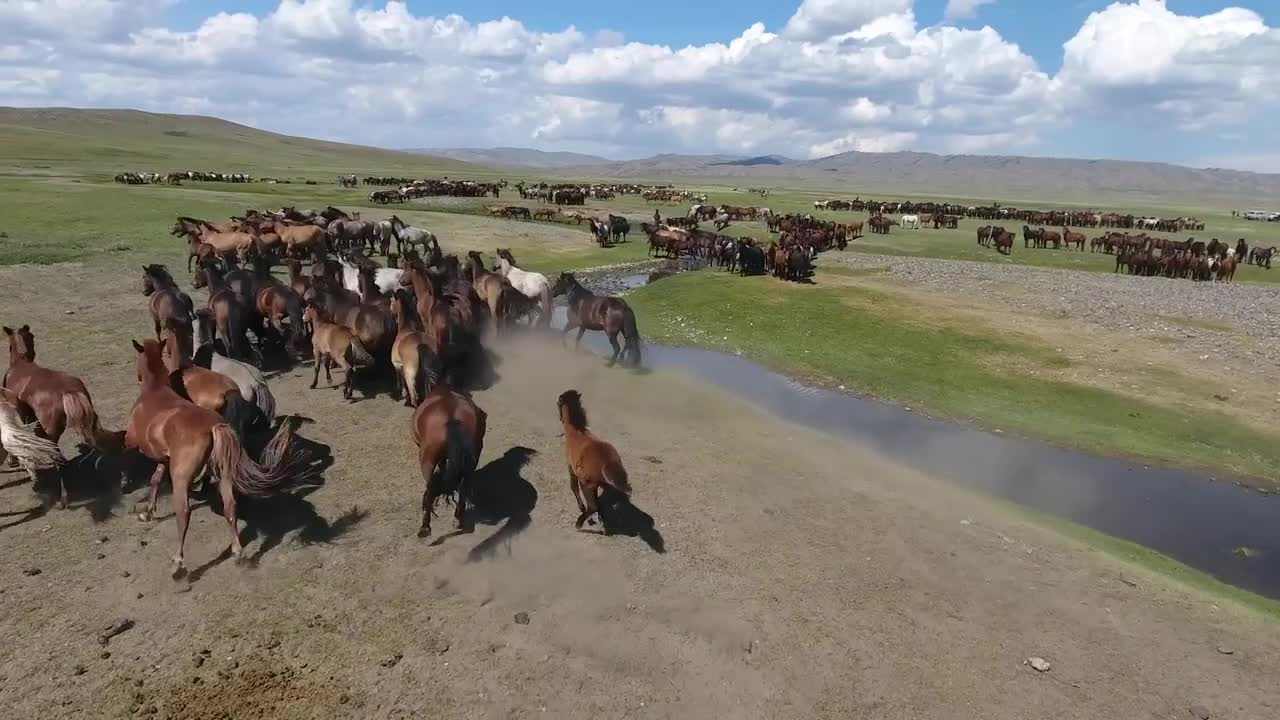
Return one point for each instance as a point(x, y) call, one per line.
point(1202, 522)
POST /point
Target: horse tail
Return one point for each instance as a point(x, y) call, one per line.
point(357, 355)
point(238, 412)
point(631, 334)
point(296, 324)
point(616, 476)
point(426, 375)
point(460, 459)
point(236, 338)
point(262, 397)
point(83, 418)
point(229, 461)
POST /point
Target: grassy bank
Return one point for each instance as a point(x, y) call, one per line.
point(876, 343)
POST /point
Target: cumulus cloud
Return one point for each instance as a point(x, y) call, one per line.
point(840, 75)
point(963, 9)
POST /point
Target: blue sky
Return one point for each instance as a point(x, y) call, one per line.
point(1187, 81)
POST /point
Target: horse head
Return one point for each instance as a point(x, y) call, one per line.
point(150, 362)
point(22, 344)
point(564, 284)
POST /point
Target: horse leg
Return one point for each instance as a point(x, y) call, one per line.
point(568, 325)
point(227, 492)
point(317, 361)
point(591, 506)
point(427, 461)
point(181, 479)
point(155, 320)
point(617, 349)
point(577, 495)
point(157, 477)
point(581, 331)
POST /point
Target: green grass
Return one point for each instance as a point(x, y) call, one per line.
point(878, 343)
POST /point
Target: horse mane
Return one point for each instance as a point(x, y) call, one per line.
point(571, 402)
point(160, 272)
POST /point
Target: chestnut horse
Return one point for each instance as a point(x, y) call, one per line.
point(57, 400)
point(230, 317)
point(185, 439)
point(588, 311)
point(334, 344)
point(210, 390)
point(448, 429)
point(410, 355)
point(490, 286)
point(164, 299)
point(592, 461)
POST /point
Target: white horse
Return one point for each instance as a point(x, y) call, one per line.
point(388, 279)
point(532, 285)
point(410, 235)
point(20, 441)
point(910, 221)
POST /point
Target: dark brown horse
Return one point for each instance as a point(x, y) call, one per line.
point(448, 429)
point(588, 311)
point(592, 462)
point(186, 440)
point(164, 299)
point(230, 317)
point(58, 401)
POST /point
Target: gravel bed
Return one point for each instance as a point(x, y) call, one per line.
point(1135, 305)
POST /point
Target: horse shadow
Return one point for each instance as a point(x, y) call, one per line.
point(92, 479)
point(622, 517)
point(500, 494)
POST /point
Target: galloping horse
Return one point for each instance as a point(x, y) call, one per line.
point(20, 443)
point(57, 400)
point(185, 440)
point(588, 311)
point(448, 428)
point(334, 344)
point(592, 461)
point(164, 300)
point(410, 354)
point(491, 287)
point(532, 285)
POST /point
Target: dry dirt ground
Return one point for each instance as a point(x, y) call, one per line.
point(802, 577)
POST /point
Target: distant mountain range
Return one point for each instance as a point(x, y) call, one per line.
point(514, 157)
point(992, 177)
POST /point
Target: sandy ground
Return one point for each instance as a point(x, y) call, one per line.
point(802, 577)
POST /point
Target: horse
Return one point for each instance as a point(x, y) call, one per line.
point(230, 317)
point(410, 354)
point(58, 401)
point(164, 300)
point(276, 301)
point(489, 286)
point(448, 429)
point(592, 462)
point(249, 379)
point(532, 285)
point(910, 222)
point(1070, 238)
point(387, 279)
point(331, 344)
point(21, 443)
point(186, 440)
point(210, 390)
point(297, 281)
point(348, 234)
point(588, 311)
point(411, 236)
point(451, 326)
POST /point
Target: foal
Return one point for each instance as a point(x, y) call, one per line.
point(592, 461)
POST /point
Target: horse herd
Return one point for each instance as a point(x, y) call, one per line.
point(1057, 218)
point(176, 178)
point(204, 407)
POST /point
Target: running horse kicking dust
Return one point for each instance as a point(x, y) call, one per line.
point(593, 462)
point(532, 285)
point(57, 400)
point(588, 311)
point(186, 441)
point(448, 428)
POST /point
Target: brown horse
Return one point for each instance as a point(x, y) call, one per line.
point(1070, 238)
point(210, 390)
point(448, 429)
point(334, 344)
point(164, 299)
point(449, 320)
point(275, 301)
point(57, 400)
point(185, 440)
point(588, 311)
point(410, 354)
point(592, 461)
point(230, 317)
point(490, 286)
point(297, 281)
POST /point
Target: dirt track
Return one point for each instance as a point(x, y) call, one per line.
point(803, 578)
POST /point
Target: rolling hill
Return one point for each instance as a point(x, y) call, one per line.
point(962, 176)
point(516, 157)
point(111, 141)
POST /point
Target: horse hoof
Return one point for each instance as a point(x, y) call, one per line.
point(424, 532)
point(144, 517)
point(179, 570)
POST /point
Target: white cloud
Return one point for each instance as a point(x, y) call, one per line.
point(963, 9)
point(840, 75)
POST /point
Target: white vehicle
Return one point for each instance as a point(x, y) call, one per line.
point(1257, 215)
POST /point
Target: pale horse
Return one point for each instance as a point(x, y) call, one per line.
point(19, 442)
point(387, 279)
point(248, 379)
point(408, 235)
point(532, 285)
point(910, 221)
